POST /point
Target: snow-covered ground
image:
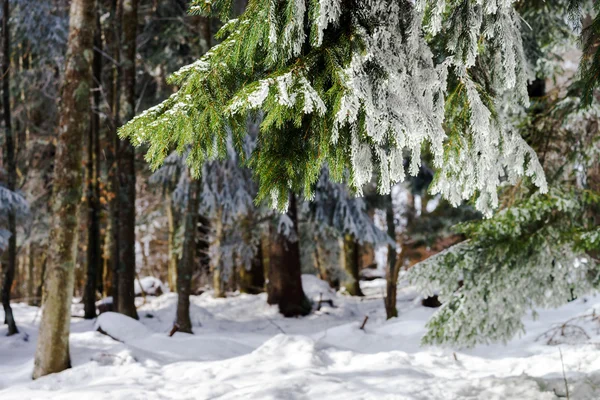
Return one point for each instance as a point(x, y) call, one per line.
point(243, 349)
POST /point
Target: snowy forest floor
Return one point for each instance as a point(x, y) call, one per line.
point(243, 349)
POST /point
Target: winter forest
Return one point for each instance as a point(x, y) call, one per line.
point(300, 199)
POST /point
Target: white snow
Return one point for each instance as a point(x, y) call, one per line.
point(152, 286)
point(243, 349)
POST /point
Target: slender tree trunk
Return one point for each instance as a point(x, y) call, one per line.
point(41, 289)
point(265, 249)
point(172, 256)
point(113, 39)
point(351, 266)
point(185, 268)
point(285, 280)
point(203, 245)
point(31, 300)
point(215, 256)
point(93, 191)
point(52, 354)
point(9, 270)
point(593, 183)
point(393, 264)
point(126, 166)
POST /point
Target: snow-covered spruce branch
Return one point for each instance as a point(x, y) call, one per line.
point(522, 258)
point(357, 88)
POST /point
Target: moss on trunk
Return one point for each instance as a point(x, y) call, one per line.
point(52, 354)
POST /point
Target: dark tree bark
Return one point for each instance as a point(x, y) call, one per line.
point(285, 281)
point(393, 264)
point(397, 261)
point(31, 300)
point(352, 266)
point(215, 258)
point(9, 270)
point(112, 37)
point(41, 289)
point(252, 281)
point(52, 354)
point(93, 190)
point(126, 166)
point(172, 258)
point(203, 244)
point(185, 267)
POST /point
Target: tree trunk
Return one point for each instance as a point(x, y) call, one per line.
point(252, 281)
point(185, 268)
point(327, 271)
point(215, 256)
point(351, 266)
point(285, 281)
point(93, 190)
point(593, 183)
point(171, 255)
point(112, 38)
point(126, 166)
point(52, 354)
point(31, 295)
point(203, 245)
point(393, 265)
point(9, 270)
point(41, 289)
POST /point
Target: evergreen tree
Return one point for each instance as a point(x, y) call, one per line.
point(334, 212)
point(359, 86)
point(354, 86)
point(540, 249)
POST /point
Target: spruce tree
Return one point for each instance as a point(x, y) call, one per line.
point(541, 249)
point(356, 86)
point(335, 213)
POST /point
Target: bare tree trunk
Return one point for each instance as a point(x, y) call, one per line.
point(126, 166)
point(593, 183)
point(186, 264)
point(172, 256)
point(203, 245)
point(41, 289)
point(351, 266)
point(393, 265)
point(285, 280)
point(31, 300)
point(215, 256)
point(52, 354)
point(112, 37)
point(93, 190)
point(9, 270)
point(397, 261)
